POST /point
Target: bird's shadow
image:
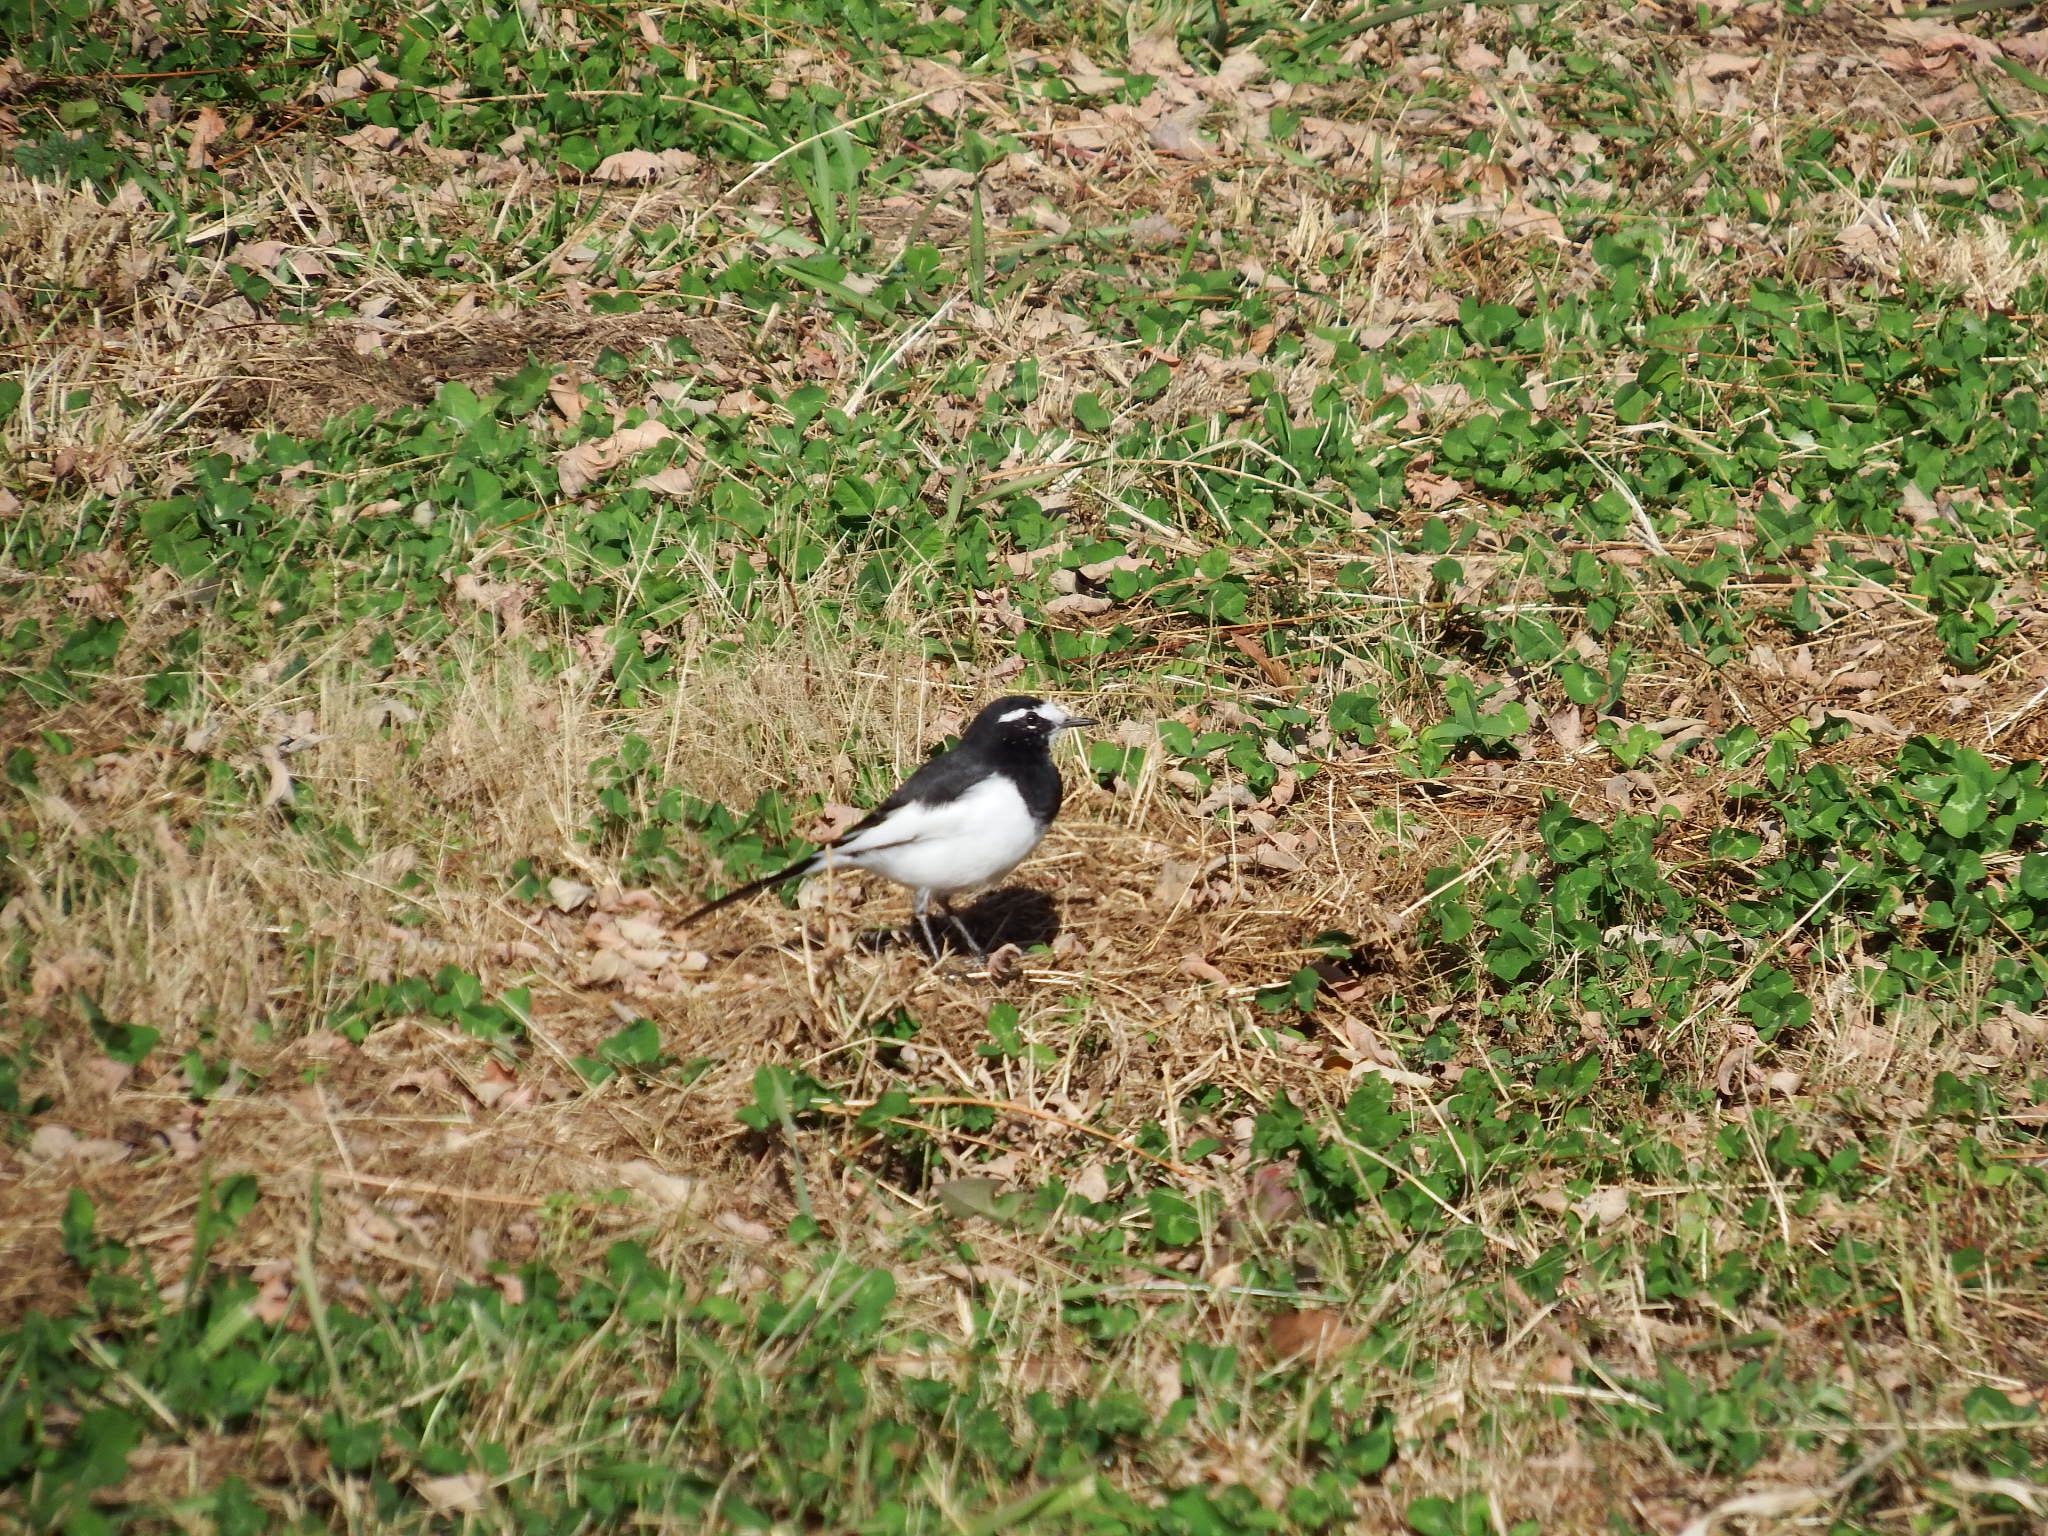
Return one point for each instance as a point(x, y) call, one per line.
point(1012, 914)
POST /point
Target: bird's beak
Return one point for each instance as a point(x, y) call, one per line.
point(1075, 722)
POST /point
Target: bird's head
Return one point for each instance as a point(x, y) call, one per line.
point(1020, 719)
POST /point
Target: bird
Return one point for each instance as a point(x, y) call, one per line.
point(962, 821)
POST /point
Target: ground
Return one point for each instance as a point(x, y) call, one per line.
point(1529, 1019)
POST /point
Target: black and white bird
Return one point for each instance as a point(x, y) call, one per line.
point(962, 821)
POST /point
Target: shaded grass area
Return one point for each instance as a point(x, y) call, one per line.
point(1531, 1018)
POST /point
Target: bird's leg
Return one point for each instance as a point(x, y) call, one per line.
point(961, 928)
point(921, 909)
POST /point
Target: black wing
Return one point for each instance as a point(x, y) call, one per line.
point(943, 778)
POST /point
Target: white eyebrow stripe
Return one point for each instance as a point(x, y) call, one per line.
point(1016, 714)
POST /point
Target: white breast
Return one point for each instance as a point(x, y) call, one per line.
point(945, 849)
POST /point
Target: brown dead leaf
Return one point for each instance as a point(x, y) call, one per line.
point(372, 138)
point(743, 1227)
point(1935, 38)
point(1085, 604)
point(182, 1142)
point(1270, 855)
point(1721, 66)
point(272, 1302)
point(565, 393)
point(1202, 969)
point(1738, 1061)
point(1603, 1207)
point(74, 970)
point(1240, 67)
point(279, 789)
point(105, 1076)
point(1176, 136)
point(460, 1493)
point(1157, 53)
point(1091, 1184)
point(207, 128)
point(1275, 671)
point(611, 967)
point(1084, 77)
point(678, 480)
point(1433, 491)
point(566, 895)
point(676, 1191)
point(1272, 1197)
point(580, 467)
point(1311, 1331)
point(644, 165)
point(497, 1087)
point(52, 1143)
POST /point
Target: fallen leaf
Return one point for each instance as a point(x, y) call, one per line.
point(1202, 970)
point(74, 970)
point(743, 1227)
point(677, 480)
point(1603, 1207)
point(1084, 77)
point(640, 932)
point(1157, 53)
point(273, 1299)
point(52, 1143)
point(1721, 66)
point(279, 791)
point(1176, 877)
point(496, 1087)
point(1240, 67)
point(609, 967)
point(581, 466)
point(373, 137)
point(1934, 37)
point(1176, 136)
point(1272, 856)
point(565, 393)
point(676, 1190)
point(208, 127)
point(566, 895)
point(1432, 491)
point(643, 165)
point(1567, 727)
point(460, 1493)
point(1273, 1197)
point(1314, 1332)
point(1079, 602)
point(104, 1076)
point(987, 1198)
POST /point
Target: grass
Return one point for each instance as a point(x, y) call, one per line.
point(1531, 1019)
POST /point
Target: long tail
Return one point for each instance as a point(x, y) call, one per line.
point(802, 866)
